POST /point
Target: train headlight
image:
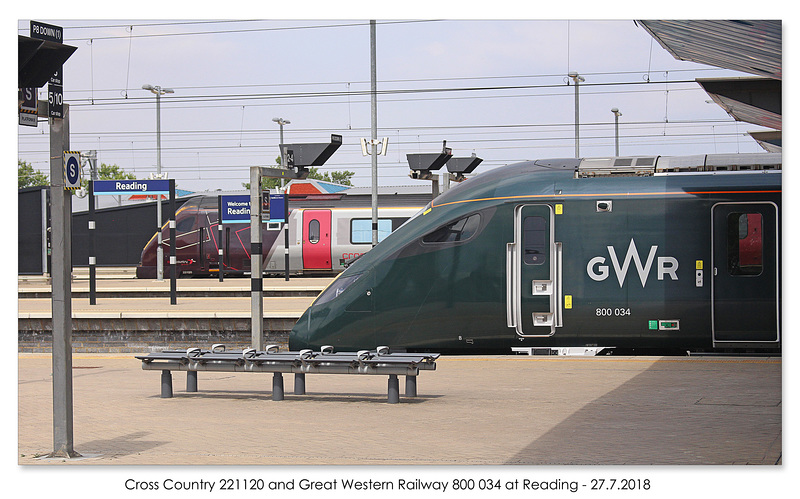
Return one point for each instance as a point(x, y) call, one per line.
point(337, 287)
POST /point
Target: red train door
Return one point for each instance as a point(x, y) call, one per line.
point(317, 239)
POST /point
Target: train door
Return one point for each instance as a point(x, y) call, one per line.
point(533, 273)
point(317, 239)
point(745, 283)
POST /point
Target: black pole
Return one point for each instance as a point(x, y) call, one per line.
point(92, 248)
point(286, 232)
point(173, 299)
point(219, 238)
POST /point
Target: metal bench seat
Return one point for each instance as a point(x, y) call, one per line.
point(326, 361)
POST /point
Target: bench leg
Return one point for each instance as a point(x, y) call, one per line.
point(394, 389)
point(299, 383)
point(191, 381)
point(277, 386)
point(411, 386)
point(166, 384)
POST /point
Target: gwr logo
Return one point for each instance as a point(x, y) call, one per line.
point(666, 265)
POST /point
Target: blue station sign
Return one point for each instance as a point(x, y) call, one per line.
point(277, 207)
point(121, 187)
point(235, 209)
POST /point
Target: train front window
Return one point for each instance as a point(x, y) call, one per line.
point(745, 244)
point(457, 231)
point(185, 225)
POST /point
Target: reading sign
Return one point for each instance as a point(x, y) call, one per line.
point(117, 187)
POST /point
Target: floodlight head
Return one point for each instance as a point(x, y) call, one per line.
point(575, 76)
point(300, 156)
point(157, 90)
point(424, 163)
point(462, 166)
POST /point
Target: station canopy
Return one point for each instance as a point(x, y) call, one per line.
point(752, 47)
point(39, 59)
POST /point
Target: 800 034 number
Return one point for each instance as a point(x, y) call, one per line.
point(611, 312)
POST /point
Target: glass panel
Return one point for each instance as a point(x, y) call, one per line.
point(336, 288)
point(185, 225)
point(745, 244)
point(361, 230)
point(460, 230)
point(534, 240)
point(313, 231)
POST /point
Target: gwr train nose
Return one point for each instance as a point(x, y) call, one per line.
point(299, 335)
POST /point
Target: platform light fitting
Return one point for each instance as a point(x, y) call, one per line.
point(382, 150)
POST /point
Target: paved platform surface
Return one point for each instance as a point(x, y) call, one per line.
point(28, 285)
point(471, 411)
point(186, 306)
point(191, 307)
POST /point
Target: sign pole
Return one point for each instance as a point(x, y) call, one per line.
point(220, 254)
point(256, 281)
point(286, 232)
point(92, 248)
point(61, 223)
point(61, 210)
point(374, 127)
point(173, 292)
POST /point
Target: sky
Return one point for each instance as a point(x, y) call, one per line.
point(495, 88)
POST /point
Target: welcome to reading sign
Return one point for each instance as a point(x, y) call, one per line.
point(235, 209)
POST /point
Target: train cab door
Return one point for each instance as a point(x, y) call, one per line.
point(533, 273)
point(745, 290)
point(317, 239)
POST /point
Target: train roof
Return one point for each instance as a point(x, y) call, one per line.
point(347, 197)
point(538, 178)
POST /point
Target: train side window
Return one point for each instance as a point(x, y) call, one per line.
point(534, 239)
point(361, 230)
point(457, 231)
point(745, 244)
point(313, 231)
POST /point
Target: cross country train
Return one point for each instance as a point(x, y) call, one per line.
point(626, 253)
point(325, 232)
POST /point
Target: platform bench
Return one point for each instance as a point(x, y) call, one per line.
point(326, 361)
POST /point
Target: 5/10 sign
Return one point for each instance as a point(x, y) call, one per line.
point(55, 100)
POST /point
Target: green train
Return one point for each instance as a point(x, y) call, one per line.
point(635, 254)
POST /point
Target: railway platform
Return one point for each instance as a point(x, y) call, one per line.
point(130, 313)
point(480, 410)
point(122, 283)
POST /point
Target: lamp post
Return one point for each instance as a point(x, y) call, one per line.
point(617, 114)
point(159, 250)
point(577, 79)
point(281, 122)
